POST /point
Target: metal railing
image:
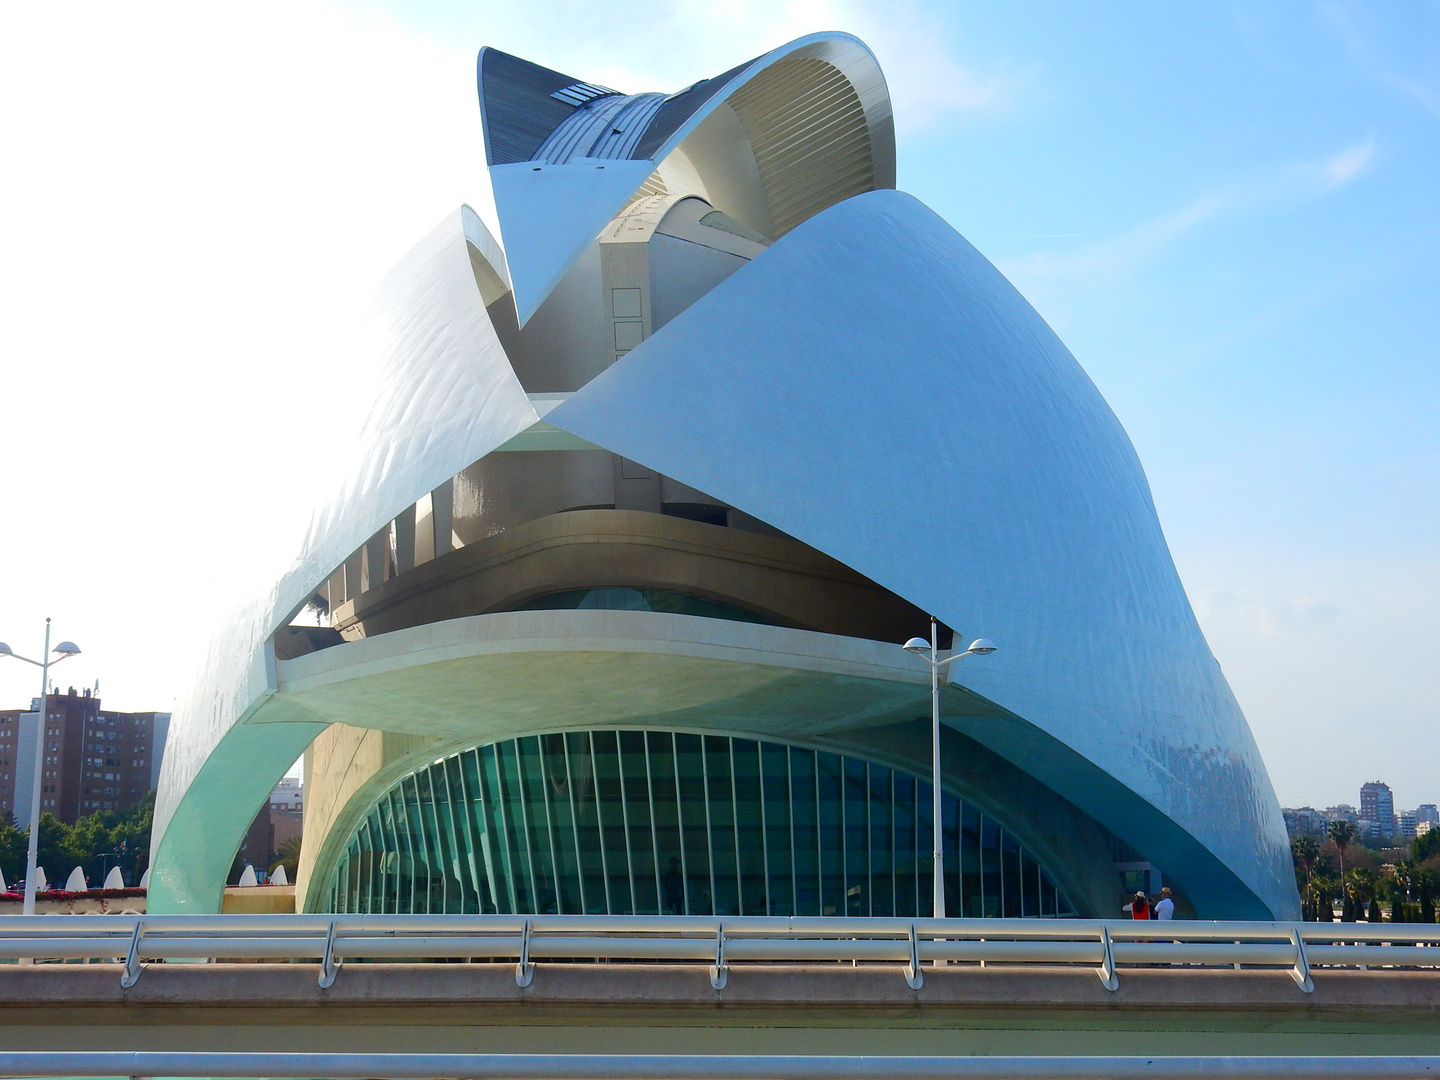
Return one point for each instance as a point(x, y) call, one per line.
point(720, 943)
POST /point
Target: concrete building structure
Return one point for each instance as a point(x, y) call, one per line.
point(1304, 821)
point(1417, 822)
point(95, 759)
point(649, 497)
point(1377, 811)
point(279, 820)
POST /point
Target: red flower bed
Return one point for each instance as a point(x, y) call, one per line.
point(63, 894)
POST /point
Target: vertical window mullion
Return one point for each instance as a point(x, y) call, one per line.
point(654, 827)
point(599, 822)
point(735, 819)
point(764, 827)
point(705, 807)
point(794, 868)
point(625, 823)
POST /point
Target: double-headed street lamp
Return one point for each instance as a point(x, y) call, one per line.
point(65, 649)
point(920, 647)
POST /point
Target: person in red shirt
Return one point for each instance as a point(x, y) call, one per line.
point(1139, 908)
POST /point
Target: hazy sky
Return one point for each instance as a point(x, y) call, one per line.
point(1228, 212)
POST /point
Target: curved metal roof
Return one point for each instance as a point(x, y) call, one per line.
point(873, 387)
point(869, 331)
point(809, 124)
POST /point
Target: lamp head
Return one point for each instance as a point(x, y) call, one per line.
point(981, 646)
point(68, 648)
point(917, 645)
point(5, 650)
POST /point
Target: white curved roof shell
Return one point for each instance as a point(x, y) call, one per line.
point(869, 384)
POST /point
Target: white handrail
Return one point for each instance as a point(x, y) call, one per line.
point(330, 940)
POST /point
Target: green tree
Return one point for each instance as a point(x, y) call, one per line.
point(95, 843)
point(13, 850)
point(1426, 847)
point(1305, 853)
point(1341, 833)
point(1425, 882)
point(289, 857)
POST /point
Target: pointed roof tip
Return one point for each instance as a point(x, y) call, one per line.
point(518, 108)
point(549, 215)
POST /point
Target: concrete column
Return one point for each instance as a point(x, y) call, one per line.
point(377, 555)
point(405, 540)
point(442, 502)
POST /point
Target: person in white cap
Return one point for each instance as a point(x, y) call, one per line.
point(1139, 908)
point(1165, 907)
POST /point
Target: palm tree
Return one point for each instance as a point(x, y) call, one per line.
point(288, 855)
point(1304, 851)
point(1341, 833)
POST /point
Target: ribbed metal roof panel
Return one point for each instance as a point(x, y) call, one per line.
point(518, 105)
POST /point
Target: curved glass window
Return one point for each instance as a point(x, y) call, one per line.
point(659, 822)
point(661, 600)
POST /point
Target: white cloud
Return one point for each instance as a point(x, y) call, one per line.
point(197, 202)
point(1129, 252)
point(1346, 165)
point(678, 42)
point(1264, 613)
point(1342, 19)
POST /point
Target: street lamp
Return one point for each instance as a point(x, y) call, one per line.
point(920, 647)
point(65, 649)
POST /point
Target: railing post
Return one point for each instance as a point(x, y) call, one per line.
point(132, 958)
point(328, 966)
point(524, 970)
point(1108, 978)
point(1301, 971)
point(719, 974)
point(913, 976)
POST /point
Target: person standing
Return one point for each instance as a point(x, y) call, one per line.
point(1139, 908)
point(1165, 907)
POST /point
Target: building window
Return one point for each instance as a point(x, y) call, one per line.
point(655, 822)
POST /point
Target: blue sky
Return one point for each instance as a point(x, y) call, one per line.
point(1230, 213)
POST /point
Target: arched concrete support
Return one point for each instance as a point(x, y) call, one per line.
point(445, 396)
point(489, 677)
point(193, 856)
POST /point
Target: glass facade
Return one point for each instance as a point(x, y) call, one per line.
point(659, 822)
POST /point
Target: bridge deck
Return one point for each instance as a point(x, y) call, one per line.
point(672, 1008)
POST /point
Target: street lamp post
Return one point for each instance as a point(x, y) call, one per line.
point(66, 649)
point(920, 647)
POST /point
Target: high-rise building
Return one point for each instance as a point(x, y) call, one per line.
point(1377, 808)
point(1418, 822)
point(94, 759)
